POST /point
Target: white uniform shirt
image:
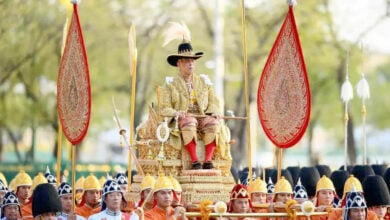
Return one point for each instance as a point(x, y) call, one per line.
point(64, 216)
point(110, 215)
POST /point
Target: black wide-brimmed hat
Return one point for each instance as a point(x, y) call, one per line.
point(184, 51)
point(45, 200)
point(376, 192)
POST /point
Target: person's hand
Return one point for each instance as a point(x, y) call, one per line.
point(140, 212)
point(321, 208)
point(180, 211)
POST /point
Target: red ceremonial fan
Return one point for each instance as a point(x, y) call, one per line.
point(73, 85)
point(283, 97)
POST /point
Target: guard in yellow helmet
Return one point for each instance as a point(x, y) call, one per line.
point(79, 187)
point(23, 184)
point(351, 183)
point(163, 194)
point(38, 179)
point(102, 180)
point(257, 190)
point(147, 185)
point(90, 201)
point(178, 201)
point(325, 193)
point(12, 186)
point(283, 191)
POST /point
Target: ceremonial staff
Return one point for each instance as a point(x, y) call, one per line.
point(346, 96)
point(363, 91)
point(73, 90)
point(122, 132)
point(248, 115)
point(133, 75)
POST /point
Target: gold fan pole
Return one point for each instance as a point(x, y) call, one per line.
point(248, 124)
point(133, 73)
point(73, 177)
point(280, 156)
point(59, 152)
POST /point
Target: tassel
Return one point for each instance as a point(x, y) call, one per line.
point(177, 31)
point(346, 90)
point(363, 89)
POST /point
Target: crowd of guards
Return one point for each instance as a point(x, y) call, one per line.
point(360, 192)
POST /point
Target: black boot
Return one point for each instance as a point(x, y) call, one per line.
point(196, 166)
point(208, 165)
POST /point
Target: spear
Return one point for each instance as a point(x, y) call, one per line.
point(133, 75)
point(363, 91)
point(122, 132)
point(346, 96)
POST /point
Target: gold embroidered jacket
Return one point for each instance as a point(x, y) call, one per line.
point(175, 96)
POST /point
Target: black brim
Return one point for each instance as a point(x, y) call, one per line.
point(172, 59)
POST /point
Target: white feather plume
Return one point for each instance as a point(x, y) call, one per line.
point(177, 31)
point(363, 89)
point(346, 91)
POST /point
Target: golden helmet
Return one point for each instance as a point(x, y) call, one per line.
point(283, 186)
point(102, 180)
point(22, 179)
point(3, 179)
point(257, 186)
point(176, 184)
point(12, 186)
point(147, 182)
point(38, 179)
point(350, 183)
point(162, 183)
point(91, 183)
point(325, 183)
point(80, 183)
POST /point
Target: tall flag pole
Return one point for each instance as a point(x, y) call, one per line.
point(283, 98)
point(346, 96)
point(133, 75)
point(363, 91)
point(248, 115)
point(68, 7)
point(74, 90)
